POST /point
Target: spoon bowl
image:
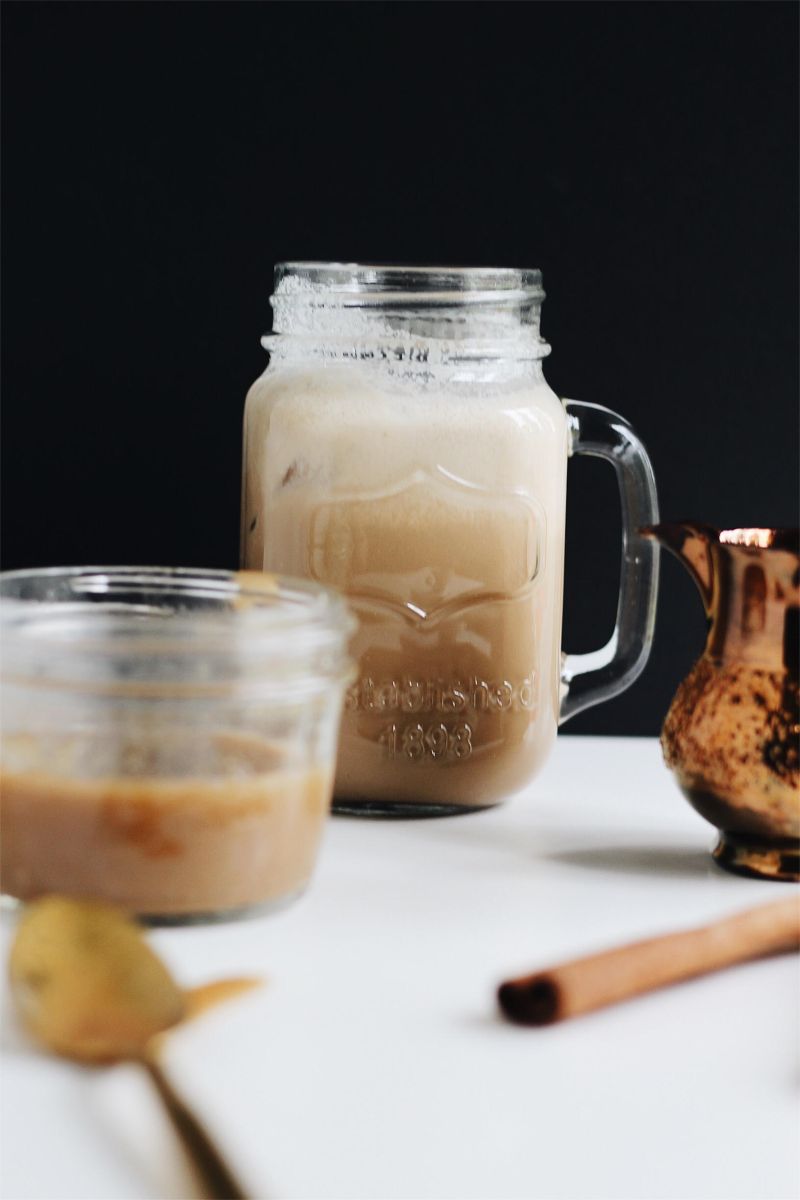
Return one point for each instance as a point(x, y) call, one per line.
point(89, 988)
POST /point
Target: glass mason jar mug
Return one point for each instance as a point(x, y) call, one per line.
point(404, 447)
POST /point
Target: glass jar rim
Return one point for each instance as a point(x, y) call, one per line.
point(409, 319)
point(257, 628)
point(363, 284)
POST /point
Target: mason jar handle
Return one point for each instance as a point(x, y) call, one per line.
point(588, 679)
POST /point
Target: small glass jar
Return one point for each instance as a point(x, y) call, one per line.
point(404, 446)
point(168, 736)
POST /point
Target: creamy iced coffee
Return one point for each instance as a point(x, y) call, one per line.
point(183, 825)
point(440, 515)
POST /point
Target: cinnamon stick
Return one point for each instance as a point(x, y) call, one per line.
point(589, 983)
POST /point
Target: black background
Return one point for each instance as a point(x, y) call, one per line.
point(159, 158)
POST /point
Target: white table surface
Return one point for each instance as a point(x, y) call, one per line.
point(374, 1065)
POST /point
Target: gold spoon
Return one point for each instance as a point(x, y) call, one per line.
point(89, 988)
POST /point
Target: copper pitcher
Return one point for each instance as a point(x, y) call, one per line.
point(731, 734)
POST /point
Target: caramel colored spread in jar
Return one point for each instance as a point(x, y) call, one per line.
point(167, 842)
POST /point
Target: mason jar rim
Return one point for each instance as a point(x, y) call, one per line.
point(363, 284)
point(411, 320)
point(276, 626)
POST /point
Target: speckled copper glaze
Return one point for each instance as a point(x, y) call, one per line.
point(732, 734)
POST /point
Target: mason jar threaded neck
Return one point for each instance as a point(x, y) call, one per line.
point(160, 632)
point(449, 314)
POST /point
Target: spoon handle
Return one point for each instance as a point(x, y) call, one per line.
point(215, 1176)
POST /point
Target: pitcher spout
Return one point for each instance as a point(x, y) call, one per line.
point(691, 543)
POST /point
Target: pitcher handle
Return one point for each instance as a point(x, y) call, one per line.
point(588, 679)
